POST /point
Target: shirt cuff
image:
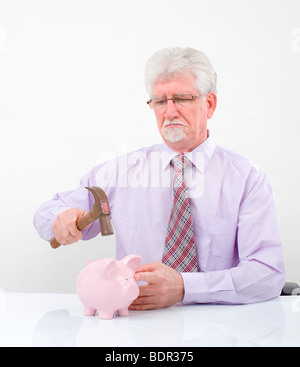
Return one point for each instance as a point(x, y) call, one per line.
point(195, 288)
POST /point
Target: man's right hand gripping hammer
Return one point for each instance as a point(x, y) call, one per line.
point(101, 211)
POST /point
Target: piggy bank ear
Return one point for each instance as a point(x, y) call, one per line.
point(132, 262)
point(107, 266)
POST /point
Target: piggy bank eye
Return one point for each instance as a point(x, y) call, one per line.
point(123, 279)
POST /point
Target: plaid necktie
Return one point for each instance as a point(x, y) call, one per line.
point(180, 248)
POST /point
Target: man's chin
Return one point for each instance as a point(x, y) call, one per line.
point(173, 134)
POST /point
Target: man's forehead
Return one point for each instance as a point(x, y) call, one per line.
point(179, 83)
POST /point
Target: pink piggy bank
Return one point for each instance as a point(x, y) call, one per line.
point(108, 285)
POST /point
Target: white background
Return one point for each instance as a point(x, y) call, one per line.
point(72, 91)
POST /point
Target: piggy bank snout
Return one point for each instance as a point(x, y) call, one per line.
point(131, 288)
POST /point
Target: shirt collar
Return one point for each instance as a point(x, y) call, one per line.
point(200, 156)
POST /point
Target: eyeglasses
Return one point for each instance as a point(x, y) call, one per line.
point(180, 100)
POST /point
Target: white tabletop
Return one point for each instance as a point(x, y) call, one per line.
point(57, 320)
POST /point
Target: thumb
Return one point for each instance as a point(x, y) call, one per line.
point(82, 214)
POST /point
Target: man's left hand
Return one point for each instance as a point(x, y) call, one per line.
point(164, 289)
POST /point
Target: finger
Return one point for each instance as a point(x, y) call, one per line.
point(148, 267)
point(88, 226)
point(140, 301)
point(67, 238)
point(72, 223)
point(147, 307)
point(74, 231)
point(146, 291)
point(148, 277)
point(143, 303)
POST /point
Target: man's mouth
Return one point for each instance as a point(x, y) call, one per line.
point(174, 123)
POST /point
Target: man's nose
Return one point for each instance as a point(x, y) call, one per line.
point(171, 111)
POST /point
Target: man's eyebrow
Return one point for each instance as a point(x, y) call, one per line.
point(162, 96)
point(174, 95)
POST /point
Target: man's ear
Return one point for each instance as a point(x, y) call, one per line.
point(211, 101)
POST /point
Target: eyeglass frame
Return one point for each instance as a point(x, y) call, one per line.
point(176, 96)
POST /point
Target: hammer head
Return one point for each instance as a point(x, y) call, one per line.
point(101, 210)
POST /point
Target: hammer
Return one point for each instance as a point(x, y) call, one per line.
point(101, 211)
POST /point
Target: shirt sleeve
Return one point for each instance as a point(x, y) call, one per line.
point(78, 198)
point(260, 273)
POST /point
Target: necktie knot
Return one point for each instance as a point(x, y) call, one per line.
point(180, 163)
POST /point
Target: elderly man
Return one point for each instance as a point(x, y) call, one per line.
point(202, 218)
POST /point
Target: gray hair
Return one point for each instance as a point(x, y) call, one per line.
point(169, 62)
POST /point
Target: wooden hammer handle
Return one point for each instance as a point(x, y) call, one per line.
point(81, 224)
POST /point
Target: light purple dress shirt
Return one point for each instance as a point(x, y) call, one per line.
point(239, 250)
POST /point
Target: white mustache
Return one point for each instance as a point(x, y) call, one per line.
point(174, 122)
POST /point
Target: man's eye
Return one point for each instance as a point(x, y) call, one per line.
point(160, 102)
point(180, 100)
